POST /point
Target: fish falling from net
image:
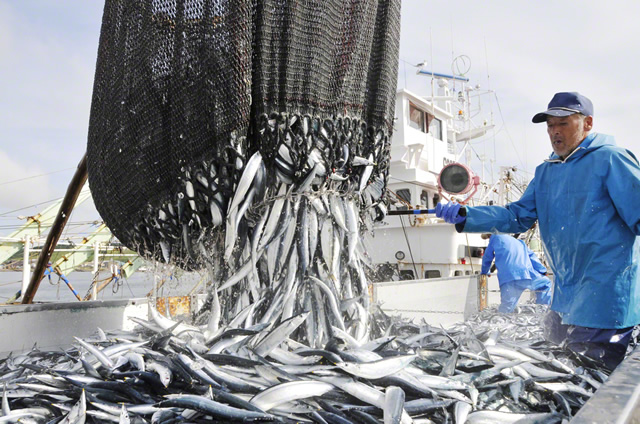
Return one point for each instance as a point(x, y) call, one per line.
point(249, 139)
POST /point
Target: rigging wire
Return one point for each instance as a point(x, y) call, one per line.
point(30, 206)
point(469, 251)
point(75, 225)
point(10, 283)
point(35, 176)
point(400, 198)
point(404, 67)
point(404, 230)
point(411, 182)
point(507, 130)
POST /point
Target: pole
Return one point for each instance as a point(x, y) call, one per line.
point(66, 281)
point(98, 287)
point(461, 212)
point(412, 212)
point(483, 292)
point(26, 268)
point(156, 286)
point(96, 263)
point(69, 201)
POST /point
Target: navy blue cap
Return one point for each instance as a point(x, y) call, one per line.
point(565, 104)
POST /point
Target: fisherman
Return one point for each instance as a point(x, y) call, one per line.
point(519, 269)
point(585, 199)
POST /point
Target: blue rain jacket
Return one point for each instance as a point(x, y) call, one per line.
point(514, 260)
point(588, 210)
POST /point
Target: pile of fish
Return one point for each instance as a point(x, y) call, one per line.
point(167, 371)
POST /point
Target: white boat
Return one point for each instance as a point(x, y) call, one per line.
point(423, 267)
point(423, 143)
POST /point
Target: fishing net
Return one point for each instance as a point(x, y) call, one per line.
point(217, 126)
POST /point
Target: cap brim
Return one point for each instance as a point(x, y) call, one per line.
point(542, 116)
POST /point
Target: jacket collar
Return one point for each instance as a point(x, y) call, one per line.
point(556, 159)
point(585, 145)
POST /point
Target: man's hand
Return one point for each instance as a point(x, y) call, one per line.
point(450, 212)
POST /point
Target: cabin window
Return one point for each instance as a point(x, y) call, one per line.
point(467, 273)
point(404, 194)
point(436, 199)
point(406, 275)
point(457, 273)
point(416, 118)
point(435, 128)
point(474, 251)
point(432, 273)
point(424, 198)
point(385, 272)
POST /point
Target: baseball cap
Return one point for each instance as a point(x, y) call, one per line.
point(565, 104)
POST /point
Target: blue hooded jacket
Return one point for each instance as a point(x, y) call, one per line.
point(588, 210)
point(514, 260)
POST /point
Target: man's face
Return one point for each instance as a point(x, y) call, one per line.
point(567, 132)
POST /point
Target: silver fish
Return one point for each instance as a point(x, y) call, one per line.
point(287, 392)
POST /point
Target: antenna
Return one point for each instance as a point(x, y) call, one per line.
point(493, 131)
point(404, 64)
point(432, 65)
point(452, 49)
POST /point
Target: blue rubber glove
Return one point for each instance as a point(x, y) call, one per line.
point(449, 212)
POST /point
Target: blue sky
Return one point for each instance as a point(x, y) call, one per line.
point(47, 62)
point(530, 50)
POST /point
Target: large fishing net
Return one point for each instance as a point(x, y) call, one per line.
point(249, 138)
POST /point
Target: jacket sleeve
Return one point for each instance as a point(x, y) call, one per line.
point(537, 265)
point(516, 217)
point(487, 258)
point(623, 185)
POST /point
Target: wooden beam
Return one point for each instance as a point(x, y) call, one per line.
point(69, 201)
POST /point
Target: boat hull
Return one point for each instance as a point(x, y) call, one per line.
point(439, 301)
point(52, 326)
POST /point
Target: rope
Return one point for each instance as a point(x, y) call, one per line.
point(117, 283)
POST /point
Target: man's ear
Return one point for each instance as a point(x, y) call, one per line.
point(588, 123)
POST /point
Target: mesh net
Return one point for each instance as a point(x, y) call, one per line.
point(186, 91)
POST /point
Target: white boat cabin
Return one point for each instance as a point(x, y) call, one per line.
point(421, 246)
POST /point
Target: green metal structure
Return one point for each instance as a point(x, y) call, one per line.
point(34, 227)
